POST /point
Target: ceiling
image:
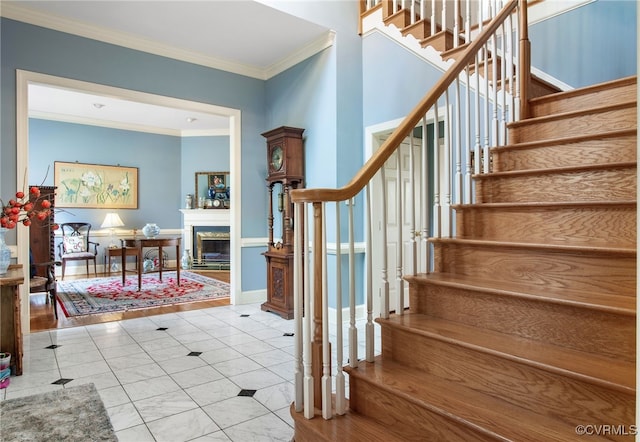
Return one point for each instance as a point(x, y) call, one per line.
point(242, 36)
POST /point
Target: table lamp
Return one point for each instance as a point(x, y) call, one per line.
point(111, 221)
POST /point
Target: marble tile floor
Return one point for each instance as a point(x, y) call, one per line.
point(217, 374)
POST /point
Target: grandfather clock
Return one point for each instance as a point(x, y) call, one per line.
point(285, 160)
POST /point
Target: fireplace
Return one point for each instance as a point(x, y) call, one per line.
point(212, 247)
point(214, 241)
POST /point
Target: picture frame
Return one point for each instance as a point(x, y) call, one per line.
point(95, 186)
point(211, 186)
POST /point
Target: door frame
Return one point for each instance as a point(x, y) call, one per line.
point(24, 78)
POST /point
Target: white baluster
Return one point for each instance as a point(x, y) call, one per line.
point(458, 143)
point(341, 405)
point(444, 15)
point(309, 407)
point(411, 200)
point(433, 17)
point(326, 345)
point(447, 164)
point(353, 331)
point(369, 330)
point(298, 299)
point(424, 203)
point(384, 298)
point(456, 23)
point(477, 157)
point(437, 218)
point(487, 129)
point(467, 22)
point(494, 82)
point(469, 149)
point(400, 248)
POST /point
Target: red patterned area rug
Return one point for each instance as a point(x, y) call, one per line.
point(106, 295)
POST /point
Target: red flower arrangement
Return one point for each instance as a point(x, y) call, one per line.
point(25, 208)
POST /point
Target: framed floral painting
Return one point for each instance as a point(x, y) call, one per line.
point(95, 186)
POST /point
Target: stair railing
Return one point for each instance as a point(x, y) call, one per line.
point(493, 69)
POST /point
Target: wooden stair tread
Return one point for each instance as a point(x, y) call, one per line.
point(560, 248)
point(618, 304)
point(580, 365)
point(352, 427)
point(551, 204)
point(555, 170)
point(481, 412)
point(565, 140)
point(572, 114)
point(586, 90)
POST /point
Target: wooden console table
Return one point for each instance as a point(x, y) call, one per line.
point(10, 324)
point(137, 244)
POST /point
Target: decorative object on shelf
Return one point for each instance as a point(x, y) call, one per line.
point(5, 253)
point(111, 221)
point(151, 230)
point(154, 257)
point(188, 201)
point(147, 266)
point(212, 186)
point(186, 260)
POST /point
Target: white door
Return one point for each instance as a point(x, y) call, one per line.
point(399, 251)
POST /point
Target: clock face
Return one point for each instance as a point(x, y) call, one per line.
point(276, 158)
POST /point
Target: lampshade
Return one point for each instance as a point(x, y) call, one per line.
point(112, 220)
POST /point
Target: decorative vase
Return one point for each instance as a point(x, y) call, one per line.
point(186, 260)
point(5, 253)
point(188, 201)
point(151, 230)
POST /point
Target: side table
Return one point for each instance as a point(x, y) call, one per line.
point(10, 325)
point(116, 252)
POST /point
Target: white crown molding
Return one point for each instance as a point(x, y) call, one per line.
point(318, 45)
point(50, 21)
point(128, 126)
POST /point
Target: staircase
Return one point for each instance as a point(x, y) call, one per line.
point(526, 328)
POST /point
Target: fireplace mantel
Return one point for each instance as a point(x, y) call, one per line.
point(201, 217)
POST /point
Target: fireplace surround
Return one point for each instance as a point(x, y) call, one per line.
point(206, 234)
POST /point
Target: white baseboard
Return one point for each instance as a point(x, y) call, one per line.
point(361, 313)
point(251, 297)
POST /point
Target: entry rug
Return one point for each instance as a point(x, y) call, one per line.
point(107, 295)
point(68, 414)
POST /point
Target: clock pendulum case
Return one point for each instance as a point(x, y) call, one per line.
point(285, 163)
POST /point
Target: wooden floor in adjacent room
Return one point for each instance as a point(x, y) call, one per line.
point(42, 317)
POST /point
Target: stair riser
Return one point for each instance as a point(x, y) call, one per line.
point(615, 119)
point(582, 153)
point(440, 41)
point(408, 419)
point(618, 184)
point(539, 268)
point(555, 225)
point(419, 30)
point(599, 332)
point(563, 103)
point(569, 399)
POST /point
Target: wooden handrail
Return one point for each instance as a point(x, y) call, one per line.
point(385, 151)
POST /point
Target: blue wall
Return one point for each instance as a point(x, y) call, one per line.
point(202, 154)
point(37, 49)
point(591, 44)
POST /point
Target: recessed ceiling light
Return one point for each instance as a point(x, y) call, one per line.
point(191, 119)
point(98, 105)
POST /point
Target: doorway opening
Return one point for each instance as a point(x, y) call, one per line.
point(25, 78)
